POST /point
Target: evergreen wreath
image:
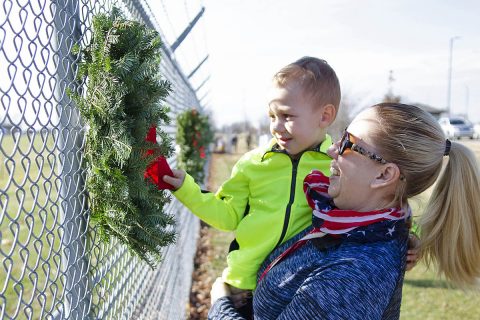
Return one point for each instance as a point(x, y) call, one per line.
point(194, 134)
point(123, 100)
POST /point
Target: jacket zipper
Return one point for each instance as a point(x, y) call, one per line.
point(290, 202)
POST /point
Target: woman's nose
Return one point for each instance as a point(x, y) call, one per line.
point(333, 151)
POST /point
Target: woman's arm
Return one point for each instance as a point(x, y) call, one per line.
point(354, 289)
point(222, 305)
point(353, 281)
point(223, 309)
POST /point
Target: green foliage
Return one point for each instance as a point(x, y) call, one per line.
point(194, 134)
point(124, 97)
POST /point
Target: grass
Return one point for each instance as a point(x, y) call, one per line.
point(425, 296)
point(219, 172)
point(30, 237)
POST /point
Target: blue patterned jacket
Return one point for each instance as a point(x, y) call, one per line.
point(351, 280)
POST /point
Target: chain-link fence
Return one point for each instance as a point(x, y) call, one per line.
point(53, 265)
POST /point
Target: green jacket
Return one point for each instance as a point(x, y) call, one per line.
point(263, 201)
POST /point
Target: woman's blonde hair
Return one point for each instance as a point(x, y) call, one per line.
point(450, 225)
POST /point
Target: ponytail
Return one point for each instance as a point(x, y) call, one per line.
point(450, 225)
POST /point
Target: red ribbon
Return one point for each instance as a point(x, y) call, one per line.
point(159, 166)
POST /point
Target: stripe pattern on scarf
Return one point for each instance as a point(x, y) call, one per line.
point(349, 224)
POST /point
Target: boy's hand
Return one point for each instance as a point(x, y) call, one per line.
point(413, 251)
point(219, 290)
point(177, 180)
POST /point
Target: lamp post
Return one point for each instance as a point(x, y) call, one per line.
point(449, 88)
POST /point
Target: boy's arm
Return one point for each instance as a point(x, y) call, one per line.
point(222, 210)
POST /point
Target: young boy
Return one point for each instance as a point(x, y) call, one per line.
point(263, 200)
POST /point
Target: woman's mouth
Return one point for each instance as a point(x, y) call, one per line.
point(334, 171)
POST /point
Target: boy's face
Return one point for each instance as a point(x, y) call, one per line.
point(295, 122)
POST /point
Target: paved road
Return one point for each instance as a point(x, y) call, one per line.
point(472, 144)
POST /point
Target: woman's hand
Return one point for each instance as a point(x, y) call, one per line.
point(177, 180)
point(413, 251)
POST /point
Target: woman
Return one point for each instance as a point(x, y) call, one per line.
point(350, 264)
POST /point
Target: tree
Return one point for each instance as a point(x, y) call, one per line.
point(390, 96)
point(194, 135)
point(345, 115)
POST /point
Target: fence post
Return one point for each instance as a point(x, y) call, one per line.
point(74, 220)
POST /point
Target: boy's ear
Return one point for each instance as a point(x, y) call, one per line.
point(328, 114)
point(388, 175)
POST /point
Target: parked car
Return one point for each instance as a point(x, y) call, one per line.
point(456, 127)
point(476, 131)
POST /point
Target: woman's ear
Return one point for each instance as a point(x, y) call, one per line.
point(328, 114)
point(388, 175)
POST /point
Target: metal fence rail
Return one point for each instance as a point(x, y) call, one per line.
point(53, 265)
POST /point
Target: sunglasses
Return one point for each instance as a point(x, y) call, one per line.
point(346, 143)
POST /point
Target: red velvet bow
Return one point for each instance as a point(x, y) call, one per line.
point(158, 167)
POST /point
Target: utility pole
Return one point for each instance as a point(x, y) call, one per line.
point(391, 79)
point(449, 88)
point(467, 98)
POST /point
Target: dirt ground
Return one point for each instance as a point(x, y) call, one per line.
point(212, 245)
point(201, 279)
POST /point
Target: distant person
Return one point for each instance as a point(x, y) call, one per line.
point(263, 199)
point(350, 263)
point(234, 143)
point(220, 145)
point(249, 141)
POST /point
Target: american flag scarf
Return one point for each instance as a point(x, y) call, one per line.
point(352, 225)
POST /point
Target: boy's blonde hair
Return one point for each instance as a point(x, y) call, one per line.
point(317, 79)
point(450, 225)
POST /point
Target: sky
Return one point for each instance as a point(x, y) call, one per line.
point(248, 41)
